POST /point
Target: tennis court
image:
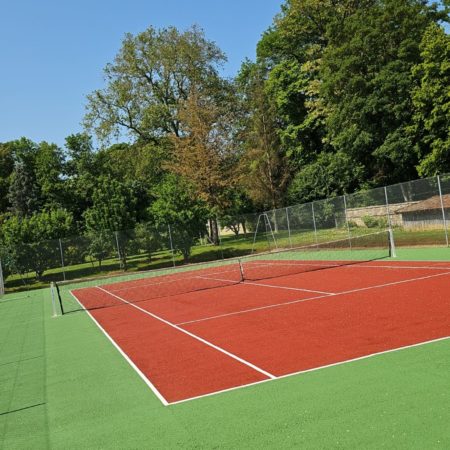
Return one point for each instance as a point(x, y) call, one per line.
point(205, 330)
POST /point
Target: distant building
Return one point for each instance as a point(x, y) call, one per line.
point(425, 214)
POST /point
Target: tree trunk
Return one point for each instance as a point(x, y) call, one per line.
point(244, 228)
point(213, 225)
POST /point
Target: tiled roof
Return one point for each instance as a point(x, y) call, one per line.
point(431, 203)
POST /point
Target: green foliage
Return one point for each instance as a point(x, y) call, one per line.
point(263, 163)
point(31, 243)
point(6, 170)
point(153, 71)
point(113, 206)
point(431, 100)
point(148, 238)
point(24, 195)
point(101, 245)
point(374, 222)
point(177, 206)
point(367, 81)
point(49, 169)
point(331, 175)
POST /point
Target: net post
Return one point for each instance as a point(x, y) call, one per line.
point(392, 251)
point(116, 234)
point(62, 259)
point(289, 227)
point(391, 231)
point(443, 209)
point(52, 291)
point(171, 245)
point(219, 237)
point(58, 293)
point(2, 280)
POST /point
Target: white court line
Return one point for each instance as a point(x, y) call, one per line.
point(314, 369)
point(127, 359)
point(192, 335)
point(345, 265)
point(278, 305)
point(286, 287)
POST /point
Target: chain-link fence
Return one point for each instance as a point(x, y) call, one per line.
point(418, 212)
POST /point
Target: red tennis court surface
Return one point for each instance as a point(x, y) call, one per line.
point(199, 343)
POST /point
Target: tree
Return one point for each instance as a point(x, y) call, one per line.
point(31, 242)
point(264, 167)
point(330, 175)
point(150, 75)
point(81, 171)
point(49, 171)
point(367, 81)
point(177, 206)
point(204, 153)
point(6, 170)
point(24, 193)
point(431, 100)
point(113, 209)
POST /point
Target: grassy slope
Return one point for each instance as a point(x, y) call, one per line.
point(93, 399)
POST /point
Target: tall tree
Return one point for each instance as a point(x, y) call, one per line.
point(367, 83)
point(177, 206)
point(24, 193)
point(204, 153)
point(49, 169)
point(264, 166)
point(431, 100)
point(81, 170)
point(151, 74)
point(6, 170)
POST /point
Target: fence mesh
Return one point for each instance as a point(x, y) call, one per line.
point(417, 211)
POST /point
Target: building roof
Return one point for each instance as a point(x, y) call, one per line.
point(429, 204)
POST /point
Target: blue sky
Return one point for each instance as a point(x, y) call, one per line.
point(52, 53)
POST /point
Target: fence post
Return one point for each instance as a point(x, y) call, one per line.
point(347, 224)
point(62, 259)
point(116, 233)
point(314, 221)
point(443, 209)
point(171, 245)
point(220, 238)
point(391, 231)
point(2, 281)
point(289, 227)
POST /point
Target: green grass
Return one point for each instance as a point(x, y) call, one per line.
point(63, 385)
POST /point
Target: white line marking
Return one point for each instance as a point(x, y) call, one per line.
point(278, 305)
point(127, 359)
point(314, 369)
point(286, 287)
point(198, 338)
point(345, 265)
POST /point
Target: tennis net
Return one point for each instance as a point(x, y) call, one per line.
point(145, 286)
